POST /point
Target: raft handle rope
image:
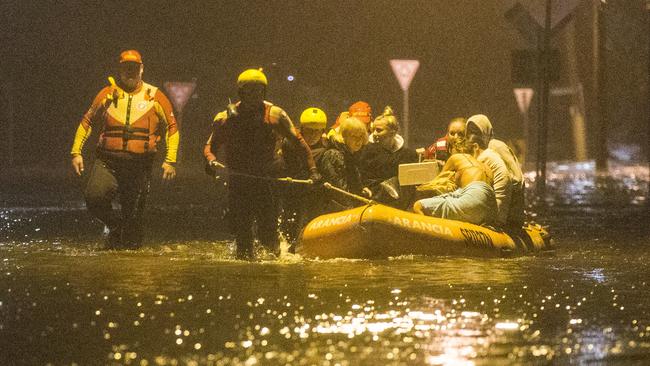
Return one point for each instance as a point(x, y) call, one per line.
point(352, 195)
point(327, 185)
point(217, 164)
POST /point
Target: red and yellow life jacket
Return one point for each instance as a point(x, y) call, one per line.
point(132, 123)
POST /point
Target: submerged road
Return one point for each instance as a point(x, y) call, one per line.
point(184, 300)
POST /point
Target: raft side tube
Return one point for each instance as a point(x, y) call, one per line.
point(378, 231)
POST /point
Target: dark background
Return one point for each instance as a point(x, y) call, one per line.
point(56, 55)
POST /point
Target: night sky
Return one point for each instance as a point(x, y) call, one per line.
point(56, 56)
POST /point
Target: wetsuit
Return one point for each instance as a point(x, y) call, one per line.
point(251, 141)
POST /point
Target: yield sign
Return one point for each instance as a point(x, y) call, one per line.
point(404, 71)
point(179, 92)
point(523, 96)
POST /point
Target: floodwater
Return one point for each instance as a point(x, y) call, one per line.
point(184, 300)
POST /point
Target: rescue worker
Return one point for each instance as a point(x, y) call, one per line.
point(359, 110)
point(363, 112)
point(301, 202)
point(340, 163)
point(130, 116)
point(380, 161)
point(509, 190)
point(251, 133)
point(473, 201)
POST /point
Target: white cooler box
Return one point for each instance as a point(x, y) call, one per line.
point(417, 173)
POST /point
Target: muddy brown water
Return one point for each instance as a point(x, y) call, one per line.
point(184, 300)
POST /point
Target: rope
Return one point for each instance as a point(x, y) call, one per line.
point(352, 195)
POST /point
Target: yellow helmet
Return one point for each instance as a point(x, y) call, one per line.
point(252, 76)
point(313, 118)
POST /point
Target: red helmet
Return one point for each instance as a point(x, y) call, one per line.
point(362, 111)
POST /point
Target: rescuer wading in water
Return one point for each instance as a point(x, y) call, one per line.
point(131, 117)
point(301, 203)
point(250, 133)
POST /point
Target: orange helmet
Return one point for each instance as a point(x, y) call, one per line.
point(362, 111)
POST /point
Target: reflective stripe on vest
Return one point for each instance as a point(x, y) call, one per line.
point(128, 120)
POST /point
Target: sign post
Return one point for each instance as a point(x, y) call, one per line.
point(405, 70)
point(547, 14)
point(179, 93)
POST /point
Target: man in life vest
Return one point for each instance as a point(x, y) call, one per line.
point(130, 116)
point(250, 134)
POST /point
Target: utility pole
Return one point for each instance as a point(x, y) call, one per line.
point(647, 10)
point(600, 64)
point(7, 116)
point(542, 127)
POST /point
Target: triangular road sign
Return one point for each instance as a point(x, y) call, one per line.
point(179, 93)
point(523, 96)
point(404, 71)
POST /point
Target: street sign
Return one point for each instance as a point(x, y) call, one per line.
point(404, 70)
point(528, 16)
point(523, 96)
point(179, 92)
point(560, 9)
point(526, 68)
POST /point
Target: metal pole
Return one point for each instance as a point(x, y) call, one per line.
point(524, 153)
point(647, 8)
point(543, 123)
point(406, 118)
point(602, 154)
point(7, 123)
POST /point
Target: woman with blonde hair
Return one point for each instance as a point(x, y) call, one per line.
point(339, 164)
point(381, 158)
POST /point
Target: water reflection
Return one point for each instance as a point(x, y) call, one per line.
point(184, 300)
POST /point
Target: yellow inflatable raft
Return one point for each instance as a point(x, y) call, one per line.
point(378, 231)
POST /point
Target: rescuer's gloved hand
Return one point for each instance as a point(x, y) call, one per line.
point(207, 169)
point(315, 176)
point(231, 110)
point(211, 167)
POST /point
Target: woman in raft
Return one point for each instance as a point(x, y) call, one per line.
point(473, 201)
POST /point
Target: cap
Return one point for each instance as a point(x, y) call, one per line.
point(130, 56)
